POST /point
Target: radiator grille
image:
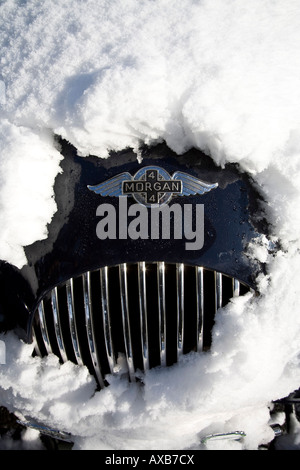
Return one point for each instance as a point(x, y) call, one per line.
point(147, 313)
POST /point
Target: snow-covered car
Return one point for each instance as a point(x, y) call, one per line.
point(149, 209)
point(141, 255)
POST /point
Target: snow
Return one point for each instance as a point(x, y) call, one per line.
point(220, 75)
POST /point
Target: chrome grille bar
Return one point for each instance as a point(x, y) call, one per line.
point(218, 290)
point(180, 307)
point(86, 281)
point(162, 310)
point(43, 327)
point(106, 318)
point(106, 313)
point(143, 313)
point(235, 287)
point(57, 325)
point(126, 320)
point(200, 306)
point(72, 321)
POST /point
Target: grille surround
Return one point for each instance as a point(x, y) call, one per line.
point(149, 313)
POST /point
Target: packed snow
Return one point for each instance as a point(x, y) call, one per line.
point(219, 75)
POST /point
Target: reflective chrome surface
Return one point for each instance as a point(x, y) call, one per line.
point(106, 318)
point(147, 313)
point(56, 317)
point(72, 321)
point(86, 279)
point(126, 320)
point(143, 313)
point(43, 327)
point(200, 306)
point(180, 306)
point(233, 436)
point(162, 310)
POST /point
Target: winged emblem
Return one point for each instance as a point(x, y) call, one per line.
point(152, 185)
point(113, 186)
point(192, 185)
